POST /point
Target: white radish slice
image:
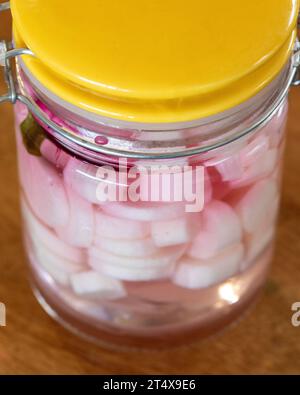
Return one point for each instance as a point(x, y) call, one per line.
point(259, 169)
point(79, 230)
point(162, 258)
point(119, 229)
point(130, 248)
point(145, 211)
point(231, 168)
point(60, 263)
point(57, 266)
point(256, 243)
point(220, 227)
point(45, 191)
point(82, 178)
point(135, 274)
point(48, 238)
point(253, 206)
point(254, 150)
point(198, 274)
point(97, 285)
point(87, 179)
point(170, 233)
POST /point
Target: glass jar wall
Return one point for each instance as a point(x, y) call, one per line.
point(147, 273)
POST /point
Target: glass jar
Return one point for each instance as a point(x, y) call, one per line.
point(148, 234)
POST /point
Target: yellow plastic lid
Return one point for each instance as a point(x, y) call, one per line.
point(155, 60)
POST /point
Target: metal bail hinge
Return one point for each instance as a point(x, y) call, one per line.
point(296, 65)
point(4, 6)
point(6, 55)
point(296, 58)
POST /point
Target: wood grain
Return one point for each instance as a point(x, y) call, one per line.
point(264, 341)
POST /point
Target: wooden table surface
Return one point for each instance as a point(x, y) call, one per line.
point(262, 342)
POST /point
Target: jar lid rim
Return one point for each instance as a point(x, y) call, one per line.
point(268, 101)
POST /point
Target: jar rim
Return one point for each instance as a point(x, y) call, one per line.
point(76, 143)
